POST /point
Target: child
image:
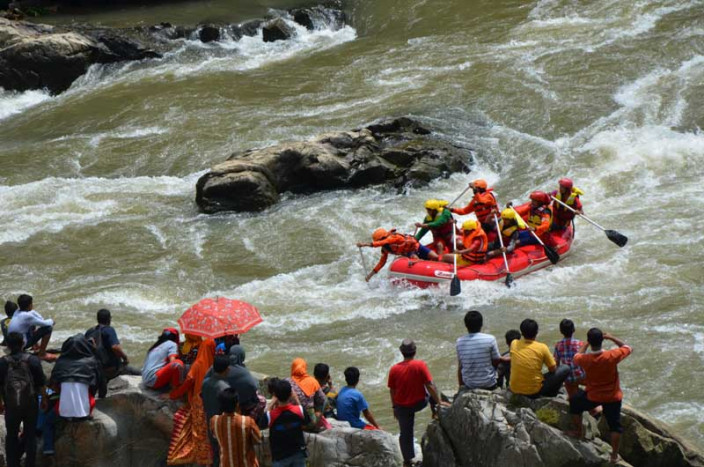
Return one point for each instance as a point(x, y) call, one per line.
point(564, 352)
point(236, 434)
point(503, 371)
point(286, 420)
point(10, 308)
point(350, 402)
point(321, 372)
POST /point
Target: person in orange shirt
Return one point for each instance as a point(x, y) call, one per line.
point(483, 205)
point(236, 434)
point(602, 385)
point(397, 244)
point(537, 215)
point(474, 245)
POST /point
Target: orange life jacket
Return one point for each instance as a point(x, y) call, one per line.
point(484, 203)
point(401, 244)
point(478, 255)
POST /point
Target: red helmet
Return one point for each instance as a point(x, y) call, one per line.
point(566, 183)
point(540, 196)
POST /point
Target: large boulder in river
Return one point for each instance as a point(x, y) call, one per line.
point(498, 429)
point(395, 152)
point(277, 30)
point(132, 428)
point(36, 56)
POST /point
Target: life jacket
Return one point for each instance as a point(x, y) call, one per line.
point(286, 431)
point(483, 204)
point(562, 215)
point(478, 255)
point(445, 230)
point(403, 244)
point(537, 216)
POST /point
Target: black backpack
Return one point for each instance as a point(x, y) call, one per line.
point(95, 334)
point(19, 389)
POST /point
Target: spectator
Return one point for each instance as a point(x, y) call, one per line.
point(286, 420)
point(350, 402)
point(31, 325)
point(213, 384)
point(162, 366)
point(321, 372)
point(21, 380)
point(112, 358)
point(564, 352)
point(503, 371)
point(527, 359)
point(309, 394)
point(10, 308)
point(602, 385)
point(236, 434)
point(188, 350)
point(477, 356)
point(410, 387)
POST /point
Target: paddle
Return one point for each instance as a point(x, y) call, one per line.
point(458, 197)
point(455, 287)
point(364, 262)
point(552, 255)
point(616, 237)
point(509, 277)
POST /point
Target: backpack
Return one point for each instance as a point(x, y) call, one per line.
point(101, 353)
point(19, 389)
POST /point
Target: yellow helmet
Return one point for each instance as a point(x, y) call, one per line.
point(470, 224)
point(432, 204)
point(508, 214)
point(442, 203)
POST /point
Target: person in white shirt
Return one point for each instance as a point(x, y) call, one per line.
point(33, 327)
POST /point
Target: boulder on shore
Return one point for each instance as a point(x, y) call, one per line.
point(396, 152)
point(132, 428)
point(499, 429)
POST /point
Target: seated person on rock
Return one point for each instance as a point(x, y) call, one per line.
point(286, 419)
point(537, 215)
point(112, 358)
point(477, 356)
point(503, 370)
point(33, 327)
point(162, 368)
point(351, 402)
point(474, 245)
point(527, 359)
point(10, 308)
point(321, 372)
point(440, 222)
point(397, 244)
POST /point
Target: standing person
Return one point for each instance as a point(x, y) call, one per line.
point(351, 402)
point(440, 222)
point(477, 355)
point(396, 244)
point(161, 366)
point(236, 434)
point(568, 194)
point(31, 325)
point(252, 403)
point(564, 353)
point(21, 381)
point(213, 384)
point(527, 359)
point(483, 205)
point(503, 370)
point(410, 387)
point(10, 308)
point(308, 392)
point(286, 420)
point(112, 358)
point(602, 384)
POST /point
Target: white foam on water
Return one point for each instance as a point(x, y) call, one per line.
point(12, 103)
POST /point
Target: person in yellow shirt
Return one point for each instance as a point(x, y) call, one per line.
point(527, 359)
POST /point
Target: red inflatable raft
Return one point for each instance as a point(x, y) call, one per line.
point(522, 261)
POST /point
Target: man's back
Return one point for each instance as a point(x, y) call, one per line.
point(476, 352)
point(602, 381)
point(21, 376)
point(236, 436)
point(527, 359)
point(212, 385)
point(408, 379)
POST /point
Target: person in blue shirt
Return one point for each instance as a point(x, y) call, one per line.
point(351, 402)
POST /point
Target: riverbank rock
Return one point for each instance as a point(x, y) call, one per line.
point(498, 429)
point(132, 428)
point(396, 152)
point(36, 56)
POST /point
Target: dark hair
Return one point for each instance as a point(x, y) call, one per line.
point(104, 317)
point(165, 336)
point(473, 321)
point(221, 363)
point(25, 302)
point(10, 308)
point(512, 335)
point(271, 384)
point(352, 375)
point(282, 391)
point(529, 328)
point(228, 400)
point(567, 327)
point(595, 338)
point(321, 371)
point(15, 341)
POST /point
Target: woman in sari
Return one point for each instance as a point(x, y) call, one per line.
point(309, 393)
point(189, 439)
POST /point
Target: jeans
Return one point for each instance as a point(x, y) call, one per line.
point(296, 460)
point(47, 428)
point(406, 419)
point(552, 382)
point(13, 446)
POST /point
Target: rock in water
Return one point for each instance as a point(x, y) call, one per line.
point(209, 33)
point(277, 30)
point(396, 152)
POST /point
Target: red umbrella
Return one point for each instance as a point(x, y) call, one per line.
point(219, 317)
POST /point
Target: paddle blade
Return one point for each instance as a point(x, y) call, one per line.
point(509, 280)
point(616, 237)
point(455, 287)
point(552, 255)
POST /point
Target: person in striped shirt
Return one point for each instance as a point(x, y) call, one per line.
point(236, 434)
point(477, 355)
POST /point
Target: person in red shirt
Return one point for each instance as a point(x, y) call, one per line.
point(568, 194)
point(410, 384)
point(602, 385)
point(397, 244)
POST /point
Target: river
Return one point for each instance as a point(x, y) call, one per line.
point(97, 184)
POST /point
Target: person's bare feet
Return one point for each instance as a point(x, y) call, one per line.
point(48, 357)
